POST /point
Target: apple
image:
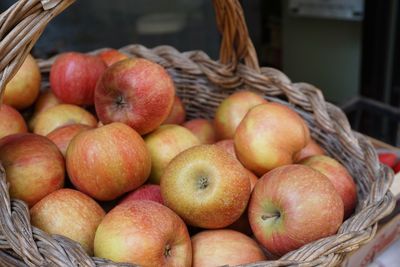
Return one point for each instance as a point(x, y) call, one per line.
point(164, 144)
point(145, 192)
point(61, 115)
point(111, 56)
point(242, 224)
point(11, 120)
point(34, 166)
point(269, 136)
point(73, 77)
point(340, 178)
point(309, 150)
point(23, 89)
point(45, 101)
point(232, 110)
point(224, 247)
point(177, 114)
point(69, 213)
point(293, 205)
point(63, 135)
point(203, 129)
point(206, 186)
point(145, 233)
point(107, 162)
point(136, 92)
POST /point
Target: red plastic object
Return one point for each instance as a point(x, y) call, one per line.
point(388, 158)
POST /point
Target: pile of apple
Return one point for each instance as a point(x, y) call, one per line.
point(248, 186)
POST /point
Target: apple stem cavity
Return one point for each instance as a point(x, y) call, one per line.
point(120, 102)
point(167, 251)
point(203, 182)
point(270, 215)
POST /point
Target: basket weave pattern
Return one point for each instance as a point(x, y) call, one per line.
point(202, 83)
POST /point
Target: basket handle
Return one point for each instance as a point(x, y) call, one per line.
point(20, 27)
point(23, 23)
point(236, 44)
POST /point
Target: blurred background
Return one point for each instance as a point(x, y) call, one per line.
point(347, 48)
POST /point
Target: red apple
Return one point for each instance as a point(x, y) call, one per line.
point(340, 178)
point(63, 135)
point(145, 233)
point(69, 213)
point(206, 186)
point(269, 136)
point(111, 56)
point(22, 90)
point(177, 114)
point(137, 92)
point(293, 205)
point(145, 192)
point(203, 129)
point(224, 247)
point(107, 162)
point(164, 144)
point(34, 166)
point(73, 77)
point(232, 110)
point(61, 115)
point(11, 121)
point(312, 149)
point(45, 101)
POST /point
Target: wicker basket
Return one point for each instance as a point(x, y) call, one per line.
point(202, 84)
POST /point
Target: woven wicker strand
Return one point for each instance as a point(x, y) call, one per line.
point(202, 83)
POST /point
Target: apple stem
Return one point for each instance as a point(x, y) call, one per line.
point(270, 215)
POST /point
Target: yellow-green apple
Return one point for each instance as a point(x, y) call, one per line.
point(340, 178)
point(108, 161)
point(312, 149)
point(224, 247)
point(45, 101)
point(69, 213)
point(145, 192)
point(269, 136)
point(34, 166)
point(164, 144)
point(232, 110)
point(63, 135)
point(293, 205)
point(146, 233)
point(61, 115)
point(136, 92)
point(206, 186)
point(203, 129)
point(11, 121)
point(73, 77)
point(22, 90)
point(111, 56)
point(177, 114)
